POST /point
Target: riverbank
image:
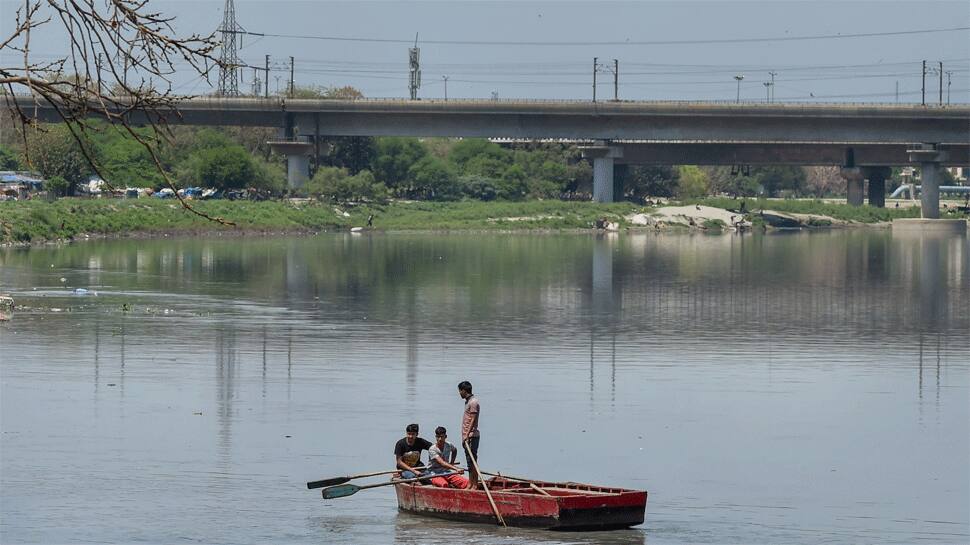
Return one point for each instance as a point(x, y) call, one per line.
point(33, 222)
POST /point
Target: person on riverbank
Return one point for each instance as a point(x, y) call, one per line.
point(470, 436)
point(441, 459)
point(407, 452)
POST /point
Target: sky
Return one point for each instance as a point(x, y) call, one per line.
point(545, 50)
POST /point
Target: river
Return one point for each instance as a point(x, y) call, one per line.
point(778, 388)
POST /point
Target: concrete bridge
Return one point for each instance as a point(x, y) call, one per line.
point(861, 138)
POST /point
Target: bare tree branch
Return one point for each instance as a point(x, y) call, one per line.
point(112, 44)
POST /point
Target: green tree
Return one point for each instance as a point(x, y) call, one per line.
point(229, 167)
point(54, 152)
point(57, 185)
point(337, 185)
point(8, 159)
point(775, 179)
point(692, 182)
point(471, 148)
point(435, 179)
point(512, 184)
point(643, 181)
point(394, 158)
point(478, 187)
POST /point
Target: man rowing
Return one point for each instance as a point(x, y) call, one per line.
point(407, 452)
point(441, 459)
point(470, 436)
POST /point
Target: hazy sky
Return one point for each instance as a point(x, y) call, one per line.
point(834, 70)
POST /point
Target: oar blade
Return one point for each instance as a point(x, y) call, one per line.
point(341, 491)
point(327, 482)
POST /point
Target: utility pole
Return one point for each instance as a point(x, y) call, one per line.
point(941, 83)
point(616, 80)
point(739, 77)
point(266, 88)
point(595, 59)
point(897, 91)
point(292, 87)
point(414, 61)
point(772, 74)
point(767, 85)
point(446, 86)
point(949, 73)
point(255, 82)
point(924, 82)
point(229, 58)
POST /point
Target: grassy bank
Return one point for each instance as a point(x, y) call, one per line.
point(39, 221)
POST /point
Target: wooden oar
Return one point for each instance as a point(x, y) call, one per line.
point(344, 490)
point(532, 484)
point(341, 480)
point(485, 486)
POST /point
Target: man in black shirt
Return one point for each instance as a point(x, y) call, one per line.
point(407, 452)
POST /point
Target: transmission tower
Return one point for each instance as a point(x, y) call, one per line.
point(229, 60)
point(414, 63)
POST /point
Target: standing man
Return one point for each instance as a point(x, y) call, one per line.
point(407, 452)
point(470, 436)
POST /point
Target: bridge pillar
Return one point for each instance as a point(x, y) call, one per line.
point(602, 155)
point(930, 161)
point(877, 185)
point(297, 161)
point(853, 177)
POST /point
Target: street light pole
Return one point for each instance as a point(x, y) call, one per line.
point(772, 74)
point(767, 85)
point(739, 77)
point(446, 86)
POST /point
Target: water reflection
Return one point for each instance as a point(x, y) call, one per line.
point(420, 530)
point(741, 373)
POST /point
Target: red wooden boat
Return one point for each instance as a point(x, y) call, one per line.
point(535, 504)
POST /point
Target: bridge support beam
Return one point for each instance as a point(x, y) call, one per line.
point(930, 161)
point(603, 156)
point(877, 185)
point(297, 161)
point(854, 179)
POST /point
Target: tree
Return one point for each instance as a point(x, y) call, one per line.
point(355, 153)
point(394, 157)
point(118, 50)
point(435, 179)
point(641, 181)
point(8, 160)
point(337, 185)
point(472, 148)
point(692, 182)
point(229, 167)
point(478, 187)
point(56, 152)
point(512, 184)
point(775, 179)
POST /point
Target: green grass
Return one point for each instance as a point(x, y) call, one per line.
point(39, 221)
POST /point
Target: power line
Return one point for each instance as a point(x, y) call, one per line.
point(616, 43)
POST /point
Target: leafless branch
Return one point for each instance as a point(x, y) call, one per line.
point(119, 53)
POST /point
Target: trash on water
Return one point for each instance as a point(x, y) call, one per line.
point(63, 279)
point(84, 291)
point(6, 301)
point(55, 309)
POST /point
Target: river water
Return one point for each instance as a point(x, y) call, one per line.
point(780, 388)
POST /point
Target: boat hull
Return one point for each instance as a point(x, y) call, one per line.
point(532, 504)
